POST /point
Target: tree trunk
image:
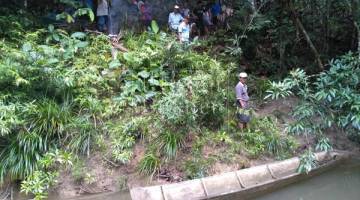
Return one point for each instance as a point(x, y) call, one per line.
point(306, 35)
point(352, 8)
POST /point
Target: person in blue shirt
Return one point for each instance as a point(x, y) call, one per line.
point(175, 19)
point(216, 11)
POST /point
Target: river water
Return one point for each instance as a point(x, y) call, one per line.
point(342, 183)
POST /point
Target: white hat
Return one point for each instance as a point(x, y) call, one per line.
point(243, 75)
point(140, 3)
point(176, 7)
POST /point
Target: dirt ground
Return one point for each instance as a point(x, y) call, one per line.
point(109, 178)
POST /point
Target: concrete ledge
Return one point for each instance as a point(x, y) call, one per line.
point(242, 184)
point(194, 189)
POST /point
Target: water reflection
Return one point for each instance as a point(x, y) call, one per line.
point(341, 183)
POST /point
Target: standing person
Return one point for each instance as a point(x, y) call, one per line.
point(174, 19)
point(207, 20)
point(184, 31)
point(102, 13)
point(216, 11)
point(145, 14)
point(242, 99)
point(185, 11)
point(198, 12)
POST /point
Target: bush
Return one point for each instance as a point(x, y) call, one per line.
point(40, 181)
point(149, 164)
point(20, 154)
point(169, 143)
point(333, 98)
point(264, 136)
point(176, 111)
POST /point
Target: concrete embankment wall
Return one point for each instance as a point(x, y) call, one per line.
point(242, 184)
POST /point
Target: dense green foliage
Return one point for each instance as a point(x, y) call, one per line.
point(333, 97)
point(65, 92)
point(273, 41)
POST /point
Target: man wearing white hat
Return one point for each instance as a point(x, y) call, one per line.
point(175, 18)
point(242, 99)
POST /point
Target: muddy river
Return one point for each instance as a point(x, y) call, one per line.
point(341, 183)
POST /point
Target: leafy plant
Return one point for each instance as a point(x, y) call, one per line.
point(307, 162)
point(197, 167)
point(20, 154)
point(49, 118)
point(323, 144)
point(176, 110)
point(40, 181)
point(121, 149)
point(332, 98)
point(149, 164)
point(169, 143)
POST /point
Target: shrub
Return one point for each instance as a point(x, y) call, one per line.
point(49, 119)
point(264, 136)
point(307, 162)
point(149, 164)
point(20, 154)
point(169, 143)
point(40, 181)
point(176, 110)
point(333, 98)
point(121, 148)
point(197, 167)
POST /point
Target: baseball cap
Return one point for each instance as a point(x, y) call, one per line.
point(176, 7)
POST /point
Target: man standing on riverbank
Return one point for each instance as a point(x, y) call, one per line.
point(242, 99)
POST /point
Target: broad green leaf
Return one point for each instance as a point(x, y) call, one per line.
point(154, 26)
point(144, 74)
point(26, 47)
point(154, 82)
point(78, 35)
point(82, 44)
point(51, 28)
point(114, 64)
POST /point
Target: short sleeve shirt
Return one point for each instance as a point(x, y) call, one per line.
point(184, 32)
point(102, 8)
point(241, 93)
point(174, 20)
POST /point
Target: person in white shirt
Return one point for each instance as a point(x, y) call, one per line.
point(102, 13)
point(184, 31)
point(175, 19)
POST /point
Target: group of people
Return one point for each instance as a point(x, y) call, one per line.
point(187, 20)
point(102, 12)
point(204, 18)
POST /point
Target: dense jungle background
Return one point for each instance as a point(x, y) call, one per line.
point(79, 116)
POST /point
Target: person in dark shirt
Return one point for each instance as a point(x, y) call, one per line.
point(198, 12)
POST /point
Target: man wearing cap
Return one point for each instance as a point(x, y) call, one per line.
point(174, 19)
point(242, 99)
